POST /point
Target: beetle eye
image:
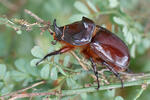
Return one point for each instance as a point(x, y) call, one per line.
point(51, 33)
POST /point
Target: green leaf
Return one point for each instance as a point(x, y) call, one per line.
point(3, 20)
point(81, 7)
point(20, 64)
point(34, 61)
point(146, 43)
point(56, 58)
point(110, 93)
point(5, 43)
point(2, 71)
point(119, 21)
point(1, 84)
point(119, 98)
point(37, 52)
point(54, 73)
point(137, 38)
point(66, 60)
point(146, 66)
point(113, 3)
point(32, 70)
point(61, 71)
point(18, 76)
point(91, 5)
point(51, 49)
point(45, 72)
point(125, 31)
point(127, 34)
point(132, 50)
point(7, 77)
point(72, 83)
point(80, 76)
point(7, 89)
point(129, 38)
point(27, 81)
point(84, 96)
point(19, 32)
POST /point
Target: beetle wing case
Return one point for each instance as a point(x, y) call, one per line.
point(110, 48)
point(78, 33)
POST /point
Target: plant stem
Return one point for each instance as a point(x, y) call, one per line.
point(105, 12)
point(139, 94)
point(143, 87)
point(111, 86)
point(86, 90)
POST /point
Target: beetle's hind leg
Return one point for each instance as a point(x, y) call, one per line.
point(95, 72)
point(114, 72)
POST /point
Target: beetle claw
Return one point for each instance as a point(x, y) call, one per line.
point(37, 63)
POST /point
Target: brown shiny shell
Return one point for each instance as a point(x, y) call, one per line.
point(110, 48)
point(78, 33)
point(95, 42)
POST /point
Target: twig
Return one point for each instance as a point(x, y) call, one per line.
point(46, 24)
point(79, 60)
point(34, 16)
point(107, 87)
point(86, 68)
point(22, 90)
point(9, 5)
point(32, 95)
point(103, 76)
point(143, 87)
point(85, 90)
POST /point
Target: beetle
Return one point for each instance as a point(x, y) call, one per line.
point(96, 43)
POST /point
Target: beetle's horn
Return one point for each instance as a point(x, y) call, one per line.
point(56, 28)
point(53, 26)
point(54, 23)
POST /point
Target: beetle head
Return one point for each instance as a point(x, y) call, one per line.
point(57, 33)
point(87, 22)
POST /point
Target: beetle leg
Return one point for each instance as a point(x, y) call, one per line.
point(114, 72)
point(60, 51)
point(95, 72)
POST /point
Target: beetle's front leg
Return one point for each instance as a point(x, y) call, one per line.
point(95, 72)
point(60, 51)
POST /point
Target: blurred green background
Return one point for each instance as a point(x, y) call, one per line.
point(21, 48)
